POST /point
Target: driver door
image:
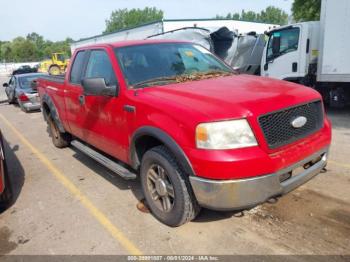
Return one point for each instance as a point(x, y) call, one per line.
point(282, 62)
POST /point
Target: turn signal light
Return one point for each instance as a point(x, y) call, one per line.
point(23, 98)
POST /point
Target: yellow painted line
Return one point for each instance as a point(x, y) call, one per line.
point(338, 164)
point(93, 210)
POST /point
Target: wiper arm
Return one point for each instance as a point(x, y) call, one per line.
point(155, 80)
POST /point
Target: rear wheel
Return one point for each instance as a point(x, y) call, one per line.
point(166, 188)
point(59, 139)
point(54, 70)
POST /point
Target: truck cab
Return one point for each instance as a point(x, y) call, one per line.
point(291, 52)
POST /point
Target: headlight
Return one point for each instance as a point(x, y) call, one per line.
point(225, 135)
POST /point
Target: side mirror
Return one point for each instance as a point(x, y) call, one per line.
point(276, 44)
point(98, 87)
point(266, 66)
point(5, 84)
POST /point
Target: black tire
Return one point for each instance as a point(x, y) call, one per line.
point(7, 195)
point(184, 206)
point(54, 70)
point(60, 140)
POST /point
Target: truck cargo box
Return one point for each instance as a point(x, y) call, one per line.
point(334, 59)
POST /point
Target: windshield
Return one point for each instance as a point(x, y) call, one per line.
point(61, 57)
point(167, 61)
point(289, 40)
point(24, 81)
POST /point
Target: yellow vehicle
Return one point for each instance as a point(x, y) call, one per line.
point(56, 65)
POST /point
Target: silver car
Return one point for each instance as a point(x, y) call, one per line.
point(19, 90)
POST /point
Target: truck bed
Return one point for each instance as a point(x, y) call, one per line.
point(57, 78)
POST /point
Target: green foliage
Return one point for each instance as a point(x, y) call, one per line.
point(306, 10)
point(124, 18)
point(32, 48)
point(271, 15)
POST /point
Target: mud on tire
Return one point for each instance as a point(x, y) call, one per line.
point(59, 139)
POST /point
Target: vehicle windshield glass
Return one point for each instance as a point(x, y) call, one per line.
point(289, 41)
point(61, 57)
point(167, 61)
point(24, 81)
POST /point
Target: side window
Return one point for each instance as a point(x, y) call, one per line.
point(13, 81)
point(289, 42)
point(99, 66)
point(75, 73)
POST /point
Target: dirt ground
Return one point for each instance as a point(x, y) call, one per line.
point(53, 216)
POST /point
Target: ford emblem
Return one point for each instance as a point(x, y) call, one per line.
point(299, 122)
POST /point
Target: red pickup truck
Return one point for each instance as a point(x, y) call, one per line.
point(196, 133)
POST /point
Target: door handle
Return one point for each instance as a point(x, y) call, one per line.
point(129, 108)
point(81, 99)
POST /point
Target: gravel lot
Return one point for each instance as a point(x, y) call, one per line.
point(53, 216)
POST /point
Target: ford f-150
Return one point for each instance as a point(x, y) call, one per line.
point(196, 133)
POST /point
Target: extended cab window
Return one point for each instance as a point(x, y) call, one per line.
point(75, 73)
point(289, 41)
point(99, 66)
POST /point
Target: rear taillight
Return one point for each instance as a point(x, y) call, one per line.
point(23, 98)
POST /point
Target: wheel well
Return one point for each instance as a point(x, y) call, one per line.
point(142, 145)
point(46, 110)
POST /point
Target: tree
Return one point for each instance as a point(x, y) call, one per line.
point(6, 51)
point(306, 10)
point(22, 49)
point(249, 16)
point(32, 48)
point(124, 18)
point(39, 43)
point(271, 15)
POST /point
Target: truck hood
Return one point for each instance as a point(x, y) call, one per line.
point(234, 96)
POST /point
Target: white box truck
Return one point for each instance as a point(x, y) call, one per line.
point(315, 54)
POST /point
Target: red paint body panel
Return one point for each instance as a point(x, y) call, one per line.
point(178, 108)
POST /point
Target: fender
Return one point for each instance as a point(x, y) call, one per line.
point(53, 112)
point(166, 140)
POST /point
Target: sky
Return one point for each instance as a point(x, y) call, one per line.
point(56, 20)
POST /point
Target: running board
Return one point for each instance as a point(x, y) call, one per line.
point(110, 164)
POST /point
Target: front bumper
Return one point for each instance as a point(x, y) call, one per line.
point(241, 194)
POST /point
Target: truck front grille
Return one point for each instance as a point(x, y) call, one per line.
point(278, 129)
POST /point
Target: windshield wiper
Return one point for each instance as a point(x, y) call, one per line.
point(155, 81)
point(214, 72)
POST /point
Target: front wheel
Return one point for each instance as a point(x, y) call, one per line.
point(166, 188)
